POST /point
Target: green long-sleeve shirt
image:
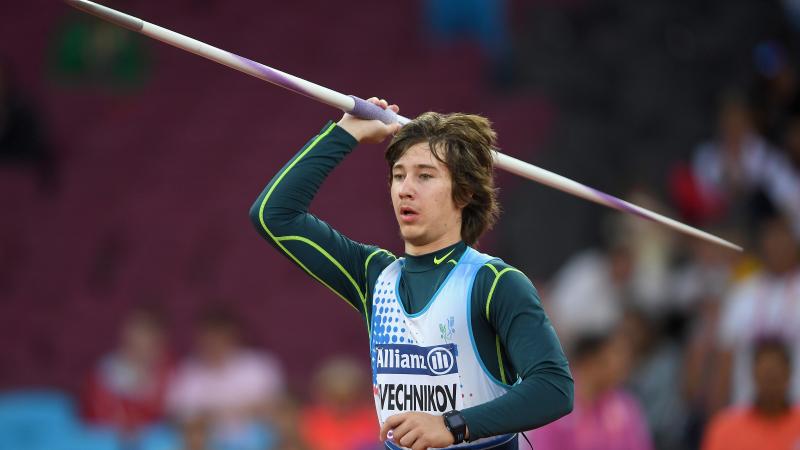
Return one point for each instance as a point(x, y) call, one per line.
point(513, 335)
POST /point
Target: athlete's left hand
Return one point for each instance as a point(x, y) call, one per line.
point(418, 431)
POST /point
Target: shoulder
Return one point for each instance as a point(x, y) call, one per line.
point(379, 257)
point(376, 259)
point(729, 419)
point(795, 417)
point(501, 275)
point(501, 285)
point(726, 427)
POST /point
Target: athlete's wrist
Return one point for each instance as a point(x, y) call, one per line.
point(352, 129)
point(456, 425)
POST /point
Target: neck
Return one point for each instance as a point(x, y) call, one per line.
point(430, 247)
point(138, 359)
point(771, 408)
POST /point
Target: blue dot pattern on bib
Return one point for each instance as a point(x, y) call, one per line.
point(388, 323)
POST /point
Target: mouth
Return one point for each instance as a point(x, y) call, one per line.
point(408, 214)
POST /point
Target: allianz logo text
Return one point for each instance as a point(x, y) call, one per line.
point(412, 359)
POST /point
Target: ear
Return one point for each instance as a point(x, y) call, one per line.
point(462, 203)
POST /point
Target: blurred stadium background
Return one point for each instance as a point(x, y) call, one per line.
point(127, 169)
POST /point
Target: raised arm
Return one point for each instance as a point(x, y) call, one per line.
point(280, 213)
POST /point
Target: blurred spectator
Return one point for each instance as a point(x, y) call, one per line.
point(287, 422)
point(128, 386)
point(195, 433)
point(766, 304)
point(699, 286)
point(651, 247)
point(791, 141)
point(342, 416)
point(727, 169)
point(223, 390)
point(605, 415)
point(200, 432)
point(728, 173)
point(655, 377)
point(706, 275)
point(22, 140)
point(590, 292)
point(770, 422)
point(786, 178)
point(95, 52)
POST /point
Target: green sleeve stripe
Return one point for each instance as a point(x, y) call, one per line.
point(326, 255)
point(497, 276)
point(309, 271)
point(500, 359)
point(494, 285)
point(278, 240)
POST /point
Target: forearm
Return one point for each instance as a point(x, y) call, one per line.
point(290, 192)
point(536, 401)
point(280, 214)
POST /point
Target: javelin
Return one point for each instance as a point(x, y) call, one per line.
point(366, 110)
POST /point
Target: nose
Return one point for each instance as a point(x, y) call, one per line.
point(406, 189)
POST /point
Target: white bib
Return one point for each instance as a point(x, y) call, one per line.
point(427, 362)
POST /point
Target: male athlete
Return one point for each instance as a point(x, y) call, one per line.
point(462, 351)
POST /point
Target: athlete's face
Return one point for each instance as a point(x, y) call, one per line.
point(423, 201)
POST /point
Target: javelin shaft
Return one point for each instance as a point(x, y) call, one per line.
point(366, 110)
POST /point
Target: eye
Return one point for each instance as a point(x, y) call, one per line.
point(397, 177)
point(425, 176)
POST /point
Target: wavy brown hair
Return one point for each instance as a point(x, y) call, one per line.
point(464, 144)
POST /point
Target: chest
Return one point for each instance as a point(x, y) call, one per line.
point(417, 289)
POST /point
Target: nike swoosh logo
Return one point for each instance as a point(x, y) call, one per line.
point(438, 261)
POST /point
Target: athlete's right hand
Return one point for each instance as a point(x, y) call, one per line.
point(370, 131)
